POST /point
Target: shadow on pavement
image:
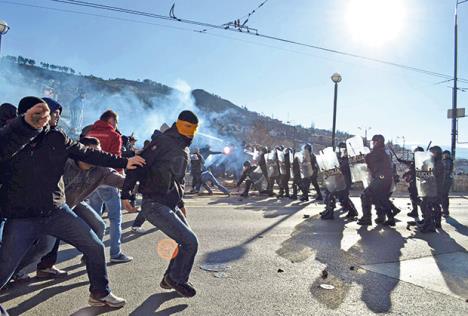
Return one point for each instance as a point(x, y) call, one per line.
point(42, 297)
point(94, 310)
point(151, 305)
point(322, 239)
point(237, 252)
point(442, 243)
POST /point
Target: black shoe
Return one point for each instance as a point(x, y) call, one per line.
point(413, 213)
point(318, 198)
point(164, 284)
point(327, 215)
point(184, 289)
point(244, 195)
point(304, 199)
point(426, 229)
point(380, 220)
point(352, 214)
point(390, 222)
point(364, 222)
point(438, 225)
point(293, 197)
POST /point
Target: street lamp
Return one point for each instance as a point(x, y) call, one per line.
point(455, 79)
point(336, 77)
point(3, 30)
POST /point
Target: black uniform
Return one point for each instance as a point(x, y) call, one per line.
point(250, 178)
point(343, 196)
point(410, 178)
point(296, 174)
point(196, 167)
point(377, 193)
point(284, 178)
point(306, 182)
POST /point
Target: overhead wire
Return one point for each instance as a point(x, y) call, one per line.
point(172, 17)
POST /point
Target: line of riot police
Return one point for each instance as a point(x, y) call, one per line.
point(429, 179)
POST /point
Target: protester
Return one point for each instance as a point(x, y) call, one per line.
point(162, 187)
point(32, 200)
point(105, 129)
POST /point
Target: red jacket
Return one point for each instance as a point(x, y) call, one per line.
point(111, 141)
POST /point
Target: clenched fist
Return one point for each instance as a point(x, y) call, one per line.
point(38, 116)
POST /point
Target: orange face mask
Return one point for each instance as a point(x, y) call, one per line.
point(186, 129)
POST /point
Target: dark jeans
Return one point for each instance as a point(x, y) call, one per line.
point(316, 186)
point(139, 220)
point(173, 223)
point(48, 250)
point(2, 223)
point(21, 233)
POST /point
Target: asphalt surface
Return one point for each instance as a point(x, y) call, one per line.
point(275, 257)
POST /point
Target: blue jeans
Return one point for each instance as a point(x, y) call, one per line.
point(209, 177)
point(174, 224)
point(21, 233)
point(111, 197)
point(46, 248)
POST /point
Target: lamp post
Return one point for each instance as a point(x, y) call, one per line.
point(336, 77)
point(455, 79)
point(3, 30)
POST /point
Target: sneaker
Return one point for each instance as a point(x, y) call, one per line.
point(164, 284)
point(379, 220)
point(121, 259)
point(184, 289)
point(138, 230)
point(52, 273)
point(20, 277)
point(109, 300)
point(304, 199)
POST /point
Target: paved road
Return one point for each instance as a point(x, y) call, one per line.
point(372, 270)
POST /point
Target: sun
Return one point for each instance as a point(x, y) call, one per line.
point(375, 22)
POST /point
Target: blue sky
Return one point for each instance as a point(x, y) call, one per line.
point(288, 82)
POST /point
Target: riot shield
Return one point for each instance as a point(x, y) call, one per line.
point(306, 164)
point(259, 182)
point(272, 164)
point(357, 163)
point(283, 170)
point(330, 168)
point(425, 178)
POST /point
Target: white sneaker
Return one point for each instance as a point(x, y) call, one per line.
point(109, 300)
point(139, 230)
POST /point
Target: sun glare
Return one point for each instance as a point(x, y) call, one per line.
point(375, 22)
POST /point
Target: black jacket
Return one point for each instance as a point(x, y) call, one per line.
point(248, 173)
point(32, 179)
point(448, 173)
point(380, 164)
point(162, 178)
point(14, 136)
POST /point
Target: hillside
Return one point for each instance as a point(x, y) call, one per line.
point(23, 76)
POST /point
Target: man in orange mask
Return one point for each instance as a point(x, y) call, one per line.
point(162, 186)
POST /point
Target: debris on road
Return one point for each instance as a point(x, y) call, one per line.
point(280, 270)
point(215, 267)
point(327, 286)
point(352, 268)
point(324, 274)
point(306, 216)
point(220, 275)
point(260, 236)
